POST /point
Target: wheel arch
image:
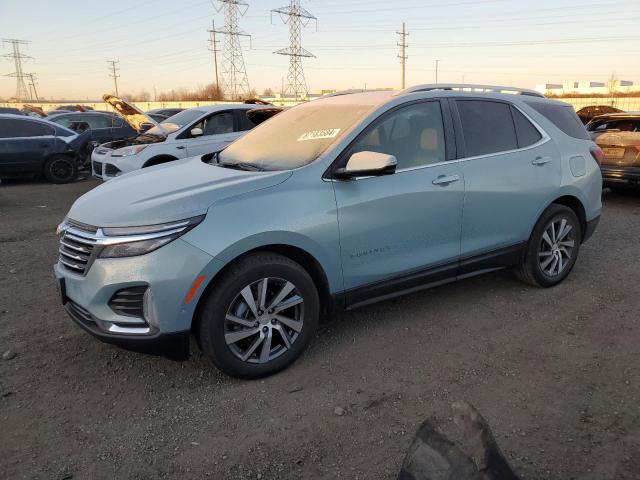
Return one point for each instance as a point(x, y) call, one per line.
point(575, 204)
point(295, 253)
point(159, 159)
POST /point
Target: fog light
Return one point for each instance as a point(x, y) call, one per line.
point(149, 308)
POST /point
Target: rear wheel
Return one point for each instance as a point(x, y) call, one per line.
point(259, 317)
point(60, 169)
point(553, 248)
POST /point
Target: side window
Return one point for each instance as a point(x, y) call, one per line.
point(97, 121)
point(64, 120)
point(487, 127)
point(527, 134)
point(245, 123)
point(216, 124)
point(413, 134)
point(562, 117)
point(21, 128)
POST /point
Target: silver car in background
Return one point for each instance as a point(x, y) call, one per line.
point(192, 132)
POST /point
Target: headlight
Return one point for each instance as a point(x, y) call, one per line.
point(128, 151)
point(132, 241)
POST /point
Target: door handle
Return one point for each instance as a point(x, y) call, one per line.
point(541, 160)
point(445, 180)
point(180, 147)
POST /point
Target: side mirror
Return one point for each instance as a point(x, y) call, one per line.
point(367, 164)
point(196, 132)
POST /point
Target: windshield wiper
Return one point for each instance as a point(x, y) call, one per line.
point(241, 166)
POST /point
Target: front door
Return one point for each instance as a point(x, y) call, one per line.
point(217, 132)
point(401, 230)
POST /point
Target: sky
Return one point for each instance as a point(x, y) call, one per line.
point(163, 43)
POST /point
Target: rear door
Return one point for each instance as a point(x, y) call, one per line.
point(24, 145)
point(219, 130)
point(511, 169)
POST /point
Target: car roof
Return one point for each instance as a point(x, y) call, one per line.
point(380, 98)
point(10, 116)
point(226, 106)
point(619, 115)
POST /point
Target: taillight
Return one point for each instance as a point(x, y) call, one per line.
point(597, 154)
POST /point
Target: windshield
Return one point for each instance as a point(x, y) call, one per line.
point(175, 122)
point(294, 137)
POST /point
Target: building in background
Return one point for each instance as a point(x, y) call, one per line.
point(589, 88)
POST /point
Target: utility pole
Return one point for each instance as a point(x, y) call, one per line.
point(437, 62)
point(114, 73)
point(297, 18)
point(403, 52)
point(21, 88)
point(214, 48)
point(32, 84)
point(235, 83)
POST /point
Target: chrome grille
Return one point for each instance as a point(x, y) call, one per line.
point(76, 249)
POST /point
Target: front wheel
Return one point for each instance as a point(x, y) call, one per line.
point(60, 169)
point(259, 316)
point(553, 248)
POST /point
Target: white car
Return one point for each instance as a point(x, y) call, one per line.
point(196, 131)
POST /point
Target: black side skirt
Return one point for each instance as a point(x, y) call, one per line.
point(431, 277)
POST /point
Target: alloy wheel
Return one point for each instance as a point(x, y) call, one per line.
point(264, 320)
point(61, 169)
point(556, 247)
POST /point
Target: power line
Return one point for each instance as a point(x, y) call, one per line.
point(297, 18)
point(214, 48)
point(32, 85)
point(403, 52)
point(235, 83)
point(21, 88)
point(114, 73)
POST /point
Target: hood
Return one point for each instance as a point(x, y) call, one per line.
point(131, 114)
point(168, 192)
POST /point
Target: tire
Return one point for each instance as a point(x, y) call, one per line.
point(548, 260)
point(60, 169)
point(225, 342)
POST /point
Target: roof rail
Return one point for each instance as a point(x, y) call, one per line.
point(470, 88)
point(344, 92)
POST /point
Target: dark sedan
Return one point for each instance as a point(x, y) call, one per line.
point(105, 127)
point(31, 147)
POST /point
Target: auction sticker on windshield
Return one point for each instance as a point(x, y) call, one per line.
point(318, 134)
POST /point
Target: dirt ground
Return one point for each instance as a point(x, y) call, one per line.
point(555, 372)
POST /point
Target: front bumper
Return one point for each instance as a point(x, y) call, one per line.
point(173, 345)
point(620, 175)
point(169, 273)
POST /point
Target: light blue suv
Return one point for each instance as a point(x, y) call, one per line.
point(335, 203)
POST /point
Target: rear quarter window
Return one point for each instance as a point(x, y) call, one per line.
point(562, 117)
point(527, 134)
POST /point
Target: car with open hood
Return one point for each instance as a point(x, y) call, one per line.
point(34, 147)
point(191, 132)
point(335, 203)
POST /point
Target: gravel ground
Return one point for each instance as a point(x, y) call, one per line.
point(555, 372)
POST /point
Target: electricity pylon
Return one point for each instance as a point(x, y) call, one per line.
point(297, 18)
point(22, 93)
point(235, 83)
